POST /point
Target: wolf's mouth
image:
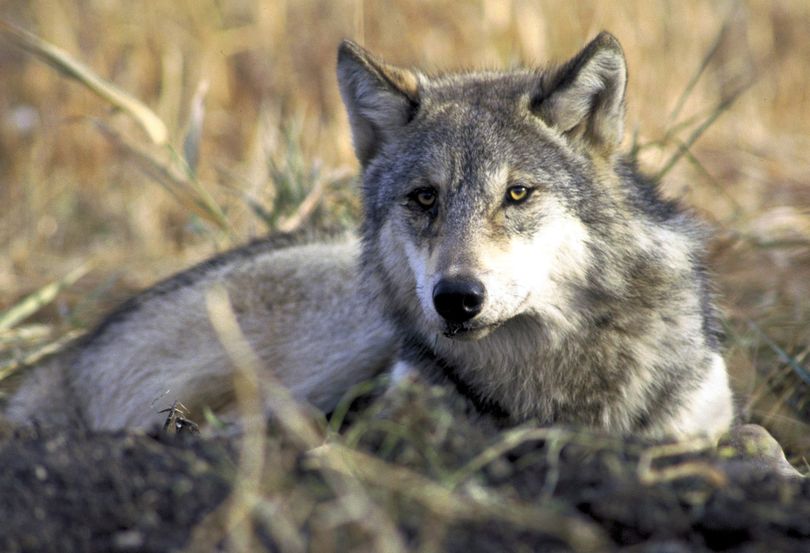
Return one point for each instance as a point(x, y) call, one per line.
point(465, 331)
point(452, 329)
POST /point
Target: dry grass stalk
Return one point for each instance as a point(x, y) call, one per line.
point(450, 506)
point(72, 68)
point(649, 475)
point(173, 178)
point(233, 519)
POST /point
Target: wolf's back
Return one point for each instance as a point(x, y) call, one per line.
point(298, 306)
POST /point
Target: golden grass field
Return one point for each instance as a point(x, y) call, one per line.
point(722, 89)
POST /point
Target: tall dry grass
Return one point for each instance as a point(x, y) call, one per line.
point(252, 85)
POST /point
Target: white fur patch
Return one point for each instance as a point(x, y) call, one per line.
point(418, 263)
point(526, 275)
point(497, 178)
point(709, 411)
point(402, 371)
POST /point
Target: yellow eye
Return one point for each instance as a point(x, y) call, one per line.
point(425, 197)
point(517, 194)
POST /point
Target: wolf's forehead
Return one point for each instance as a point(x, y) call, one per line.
point(482, 112)
point(462, 139)
point(484, 89)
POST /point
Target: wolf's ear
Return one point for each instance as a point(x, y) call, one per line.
point(380, 98)
point(585, 97)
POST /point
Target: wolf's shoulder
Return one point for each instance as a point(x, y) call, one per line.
point(644, 195)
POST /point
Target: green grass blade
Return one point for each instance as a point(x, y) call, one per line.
point(31, 304)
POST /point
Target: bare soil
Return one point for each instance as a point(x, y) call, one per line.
point(79, 491)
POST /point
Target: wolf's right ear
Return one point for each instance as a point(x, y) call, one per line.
point(584, 98)
point(380, 98)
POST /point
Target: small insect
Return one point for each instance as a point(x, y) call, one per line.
point(177, 421)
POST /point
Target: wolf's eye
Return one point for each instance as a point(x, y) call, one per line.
point(517, 194)
point(424, 197)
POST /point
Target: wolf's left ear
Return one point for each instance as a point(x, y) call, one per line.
point(380, 98)
point(585, 97)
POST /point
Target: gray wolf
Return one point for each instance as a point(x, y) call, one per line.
point(507, 249)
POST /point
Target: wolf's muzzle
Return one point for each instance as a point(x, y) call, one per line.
point(458, 300)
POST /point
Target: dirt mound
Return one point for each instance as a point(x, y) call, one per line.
point(411, 476)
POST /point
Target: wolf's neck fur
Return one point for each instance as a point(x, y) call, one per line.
point(586, 360)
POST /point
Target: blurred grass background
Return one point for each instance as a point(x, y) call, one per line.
point(252, 84)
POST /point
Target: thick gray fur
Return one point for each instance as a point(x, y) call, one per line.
point(297, 304)
point(597, 305)
point(597, 309)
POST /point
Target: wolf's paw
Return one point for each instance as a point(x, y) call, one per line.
point(754, 444)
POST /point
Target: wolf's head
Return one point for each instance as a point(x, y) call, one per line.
point(481, 189)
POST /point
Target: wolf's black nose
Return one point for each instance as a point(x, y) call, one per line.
point(458, 300)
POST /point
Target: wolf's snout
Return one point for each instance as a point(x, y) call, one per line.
point(458, 300)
